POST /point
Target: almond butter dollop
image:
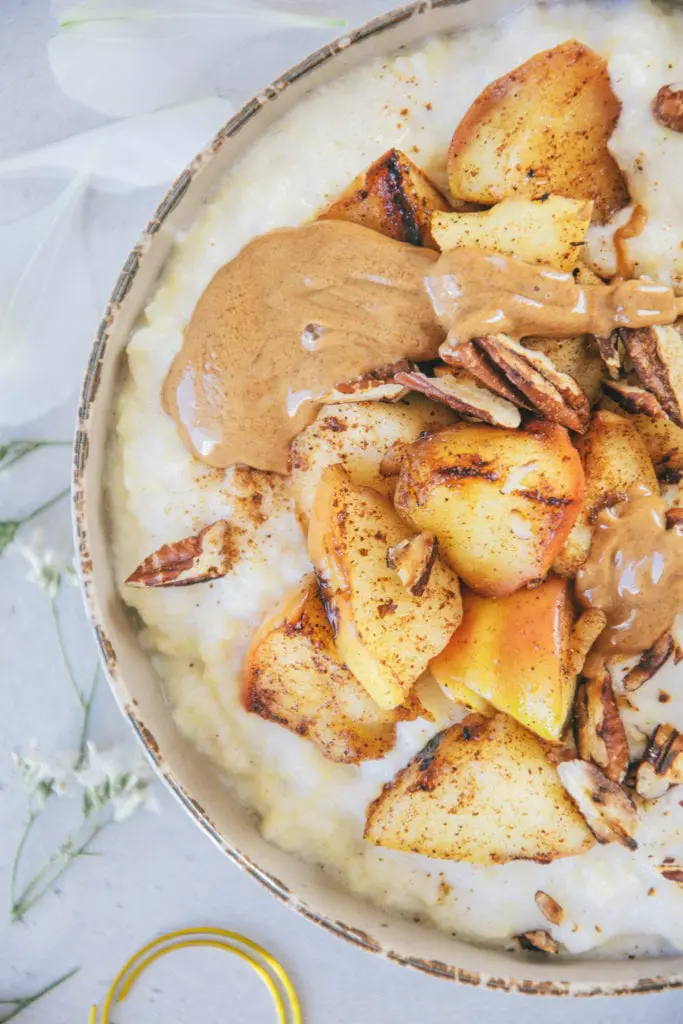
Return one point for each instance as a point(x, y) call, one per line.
point(299, 311)
point(634, 574)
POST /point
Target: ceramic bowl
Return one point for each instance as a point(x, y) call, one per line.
point(138, 689)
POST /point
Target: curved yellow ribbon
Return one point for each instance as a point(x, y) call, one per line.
point(271, 973)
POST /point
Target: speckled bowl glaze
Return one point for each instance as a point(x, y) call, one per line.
point(138, 689)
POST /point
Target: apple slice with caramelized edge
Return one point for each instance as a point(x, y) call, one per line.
point(482, 791)
point(500, 502)
point(542, 128)
point(293, 675)
point(393, 197)
point(614, 458)
point(358, 436)
point(513, 652)
point(384, 633)
point(550, 230)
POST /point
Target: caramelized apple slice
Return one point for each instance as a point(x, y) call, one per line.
point(501, 502)
point(544, 127)
point(384, 633)
point(483, 792)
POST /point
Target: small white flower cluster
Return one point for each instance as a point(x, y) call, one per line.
point(46, 567)
point(117, 779)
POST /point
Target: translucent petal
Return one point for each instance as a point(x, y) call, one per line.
point(123, 58)
point(46, 309)
point(139, 152)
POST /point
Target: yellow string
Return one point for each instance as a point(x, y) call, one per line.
point(287, 1006)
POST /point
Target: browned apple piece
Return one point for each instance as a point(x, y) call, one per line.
point(483, 792)
point(542, 128)
point(513, 652)
point(501, 502)
point(614, 459)
point(393, 197)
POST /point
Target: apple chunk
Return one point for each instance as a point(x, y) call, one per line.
point(293, 675)
point(542, 128)
point(500, 502)
point(513, 652)
point(386, 634)
point(482, 791)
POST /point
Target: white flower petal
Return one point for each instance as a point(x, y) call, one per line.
point(140, 152)
point(46, 310)
point(122, 58)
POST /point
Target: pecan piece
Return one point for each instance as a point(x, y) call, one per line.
point(460, 392)
point(413, 561)
point(649, 663)
point(598, 728)
point(466, 356)
point(206, 556)
point(608, 809)
point(667, 107)
point(657, 357)
point(374, 386)
point(550, 908)
point(556, 396)
point(662, 765)
point(538, 941)
point(633, 398)
point(609, 352)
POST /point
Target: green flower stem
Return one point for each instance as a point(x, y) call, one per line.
point(45, 506)
point(30, 822)
point(46, 878)
point(12, 452)
point(21, 1004)
point(65, 657)
point(10, 527)
point(87, 709)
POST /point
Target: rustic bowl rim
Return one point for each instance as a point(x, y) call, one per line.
point(249, 110)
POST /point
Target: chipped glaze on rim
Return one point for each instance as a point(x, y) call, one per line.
point(82, 501)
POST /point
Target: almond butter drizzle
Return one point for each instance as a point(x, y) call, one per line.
point(302, 310)
point(634, 574)
point(631, 229)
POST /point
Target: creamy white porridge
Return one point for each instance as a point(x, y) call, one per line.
point(199, 635)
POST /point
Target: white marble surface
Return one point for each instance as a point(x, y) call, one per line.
point(157, 873)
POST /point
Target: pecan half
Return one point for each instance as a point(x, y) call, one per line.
point(649, 663)
point(413, 561)
point(662, 765)
point(556, 396)
point(598, 728)
point(608, 809)
point(460, 392)
point(585, 632)
point(633, 398)
point(667, 107)
point(206, 556)
point(657, 357)
point(538, 941)
point(374, 386)
point(466, 356)
point(550, 908)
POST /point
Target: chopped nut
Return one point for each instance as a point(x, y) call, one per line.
point(609, 811)
point(377, 385)
point(556, 396)
point(413, 561)
point(609, 353)
point(674, 517)
point(662, 765)
point(538, 941)
point(206, 556)
point(460, 391)
point(585, 632)
point(598, 728)
point(650, 662)
point(633, 398)
point(667, 107)
point(551, 910)
point(657, 357)
point(467, 356)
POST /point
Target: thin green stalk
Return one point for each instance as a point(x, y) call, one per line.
point(35, 890)
point(65, 657)
point(12, 452)
point(32, 818)
point(45, 506)
point(23, 1003)
point(87, 709)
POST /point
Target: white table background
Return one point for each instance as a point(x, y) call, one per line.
point(160, 872)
